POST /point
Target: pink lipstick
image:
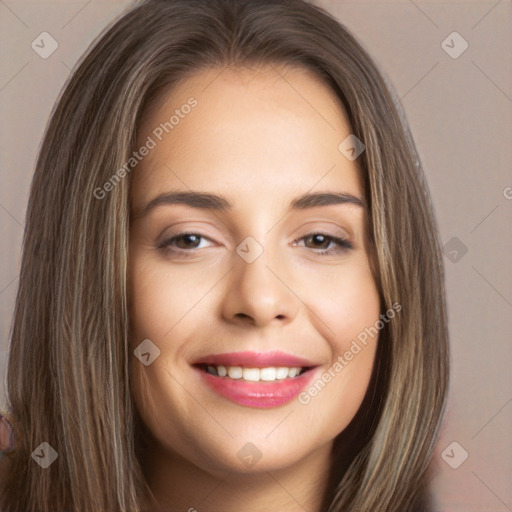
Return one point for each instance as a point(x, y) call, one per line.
point(256, 379)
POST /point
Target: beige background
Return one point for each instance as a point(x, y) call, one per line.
point(460, 112)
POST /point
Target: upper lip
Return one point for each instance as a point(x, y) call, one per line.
point(251, 359)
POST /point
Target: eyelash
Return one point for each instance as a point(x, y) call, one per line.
point(343, 245)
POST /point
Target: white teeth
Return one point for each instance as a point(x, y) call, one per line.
point(268, 374)
point(281, 373)
point(254, 374)
point(235, 372)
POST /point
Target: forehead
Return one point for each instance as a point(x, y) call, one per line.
point(269, 130)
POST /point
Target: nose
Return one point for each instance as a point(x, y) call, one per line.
point(260, 292)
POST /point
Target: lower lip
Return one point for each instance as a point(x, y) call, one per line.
point(263, 395)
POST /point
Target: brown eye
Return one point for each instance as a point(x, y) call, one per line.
point(319, 241)
point(190, 241)
point(184, 243)
point(323, 242)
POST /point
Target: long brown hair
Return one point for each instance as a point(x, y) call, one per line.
point(68, 369)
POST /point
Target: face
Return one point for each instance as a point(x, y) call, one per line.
point(251, 295)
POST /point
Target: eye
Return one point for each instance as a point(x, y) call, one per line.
point(324, 241)
point(184, 243)
point(187, 244)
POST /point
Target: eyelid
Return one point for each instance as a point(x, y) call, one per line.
point(334, 229)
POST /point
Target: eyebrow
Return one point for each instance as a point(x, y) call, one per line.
point(208, 201)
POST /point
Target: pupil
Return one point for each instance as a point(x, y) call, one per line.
point(190, 238)
point(318, 239)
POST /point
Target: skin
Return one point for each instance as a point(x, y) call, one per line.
point(259, 137)
point(5, 439)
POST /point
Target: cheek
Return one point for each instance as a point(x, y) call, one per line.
point(159, 302)
point(152, 301)
point(347, 302)
point(161, 298)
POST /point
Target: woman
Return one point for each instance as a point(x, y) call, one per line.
point(258, 369)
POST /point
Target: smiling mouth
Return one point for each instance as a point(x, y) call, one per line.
point(256, 379)
point(266, 374)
